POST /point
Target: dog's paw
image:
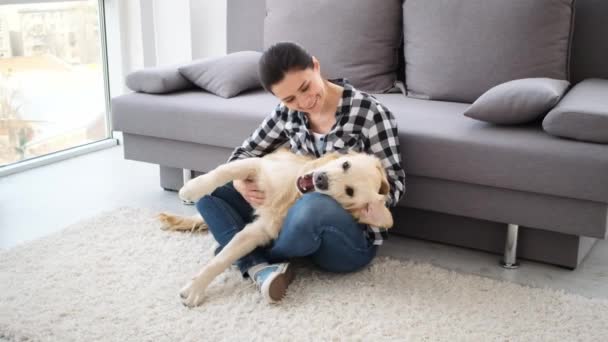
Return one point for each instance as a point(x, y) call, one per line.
point(187, 193)
point(198, 187)
point(193, 293)
point(185, 291)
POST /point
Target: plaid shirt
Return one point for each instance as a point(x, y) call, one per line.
point(362, 124)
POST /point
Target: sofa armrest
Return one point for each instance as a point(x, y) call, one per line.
point(157, 80)
point(582, 114)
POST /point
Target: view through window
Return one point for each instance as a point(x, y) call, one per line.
point(52, 90)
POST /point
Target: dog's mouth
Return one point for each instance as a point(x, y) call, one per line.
point(305, 183)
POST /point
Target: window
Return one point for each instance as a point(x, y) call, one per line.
point(53, 93)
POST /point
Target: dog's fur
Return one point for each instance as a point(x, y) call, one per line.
point(357, 181)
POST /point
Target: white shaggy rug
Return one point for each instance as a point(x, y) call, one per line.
point(116, 277)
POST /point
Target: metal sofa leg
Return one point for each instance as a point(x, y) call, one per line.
point(509, 260)
point(187, 175)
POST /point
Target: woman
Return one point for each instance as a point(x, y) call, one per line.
point(315, 116)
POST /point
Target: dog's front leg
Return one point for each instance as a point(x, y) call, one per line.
point(245, 241)
point(203, 185)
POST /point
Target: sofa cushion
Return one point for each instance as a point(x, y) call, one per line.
point(157, 80)
point(341, 35)
point(437, 141)
point(456, 50)
point(582, 114)
point(518, 101)
point(194, 116)
point(225, 76)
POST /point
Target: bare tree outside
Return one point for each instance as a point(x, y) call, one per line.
point(16, 131)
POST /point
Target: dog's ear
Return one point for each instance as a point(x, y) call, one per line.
point(384, 186)
point(375, 214)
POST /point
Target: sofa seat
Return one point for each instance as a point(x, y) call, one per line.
point(192, 116)
point(437, 141)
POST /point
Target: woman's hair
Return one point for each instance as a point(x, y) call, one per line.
point(279, 59)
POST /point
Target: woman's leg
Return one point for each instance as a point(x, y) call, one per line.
point(226, 213)
point(319, 227)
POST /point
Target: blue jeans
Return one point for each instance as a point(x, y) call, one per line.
point(316, 227)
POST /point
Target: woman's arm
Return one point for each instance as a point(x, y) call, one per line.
point(266, 138)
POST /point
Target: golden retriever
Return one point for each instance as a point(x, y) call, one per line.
point(356, 180)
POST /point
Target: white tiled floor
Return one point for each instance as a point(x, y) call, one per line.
point(37, 202)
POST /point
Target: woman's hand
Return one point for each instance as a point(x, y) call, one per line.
point(250, 192)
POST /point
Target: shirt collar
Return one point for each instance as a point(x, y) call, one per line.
point(346, 100)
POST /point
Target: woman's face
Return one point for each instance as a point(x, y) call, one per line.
point(302, 90)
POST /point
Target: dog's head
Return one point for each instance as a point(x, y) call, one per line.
point(357, 181)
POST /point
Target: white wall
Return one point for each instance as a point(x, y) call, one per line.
point(124, 41)
point(132, 34)
point(208, 18)
point(146, 33)
point(172, 31)
point(116, 64)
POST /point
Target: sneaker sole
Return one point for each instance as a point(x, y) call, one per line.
point(278, 285)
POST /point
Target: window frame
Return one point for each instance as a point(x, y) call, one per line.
point(109, 141)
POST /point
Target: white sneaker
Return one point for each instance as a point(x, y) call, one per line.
point(272, 280)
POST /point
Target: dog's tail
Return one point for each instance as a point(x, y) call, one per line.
point(194, 223)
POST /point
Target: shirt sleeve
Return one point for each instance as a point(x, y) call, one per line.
point(266, 138)
point(384, 144)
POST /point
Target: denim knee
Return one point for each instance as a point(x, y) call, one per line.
point(204, 206)
point(219, 216)
point(307, 217)
point(203, 203)
point(314, 206)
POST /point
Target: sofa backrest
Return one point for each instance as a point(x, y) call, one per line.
point(245, 25)
point(589, 50)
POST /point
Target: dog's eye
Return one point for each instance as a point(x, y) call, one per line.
point(350, 191)
point(346, 165)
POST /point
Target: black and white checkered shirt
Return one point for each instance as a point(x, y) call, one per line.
point(362, 124)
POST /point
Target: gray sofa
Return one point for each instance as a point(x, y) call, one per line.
point(502, 189)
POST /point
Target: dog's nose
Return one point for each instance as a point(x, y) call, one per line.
point(321, 181)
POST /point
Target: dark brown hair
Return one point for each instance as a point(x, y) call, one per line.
point(279, 59)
